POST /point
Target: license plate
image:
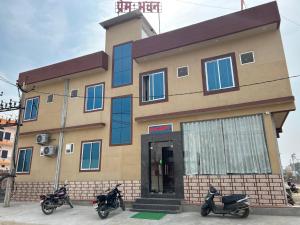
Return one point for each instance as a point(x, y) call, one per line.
point(95, 206)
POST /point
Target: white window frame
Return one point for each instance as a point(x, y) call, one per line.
point(31, 109)
point(69, 153)
point(188, 71)
point(86, 100)
point(232, 73)
point(246, 53)
point(157, 125)
point(100, 149)
point(24, 149)
point(164, 86)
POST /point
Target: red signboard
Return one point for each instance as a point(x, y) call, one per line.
point(160, 129)
point(143, 6)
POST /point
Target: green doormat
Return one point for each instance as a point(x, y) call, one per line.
point(149, 215)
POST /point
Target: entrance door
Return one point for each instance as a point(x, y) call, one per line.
point(162, 166)
point(162, 180)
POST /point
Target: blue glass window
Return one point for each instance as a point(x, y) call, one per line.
point(122, 63)
point(90, 155)
point(24, 160)
point(94, 97)
point(31, 109)
point(121, 124)
point(219, 74)
point(153, 86)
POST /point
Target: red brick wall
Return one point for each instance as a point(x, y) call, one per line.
point(264, 190)
point(78, 190)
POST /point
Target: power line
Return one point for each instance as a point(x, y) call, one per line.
point(227, 8)
point(170, 95)
point(291, 21)
point(205, 5)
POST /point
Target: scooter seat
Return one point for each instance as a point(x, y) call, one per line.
point(230, 199)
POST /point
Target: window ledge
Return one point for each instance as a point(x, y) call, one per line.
point(221, 90)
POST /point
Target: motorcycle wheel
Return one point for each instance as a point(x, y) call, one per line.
point(243, 213)
point(69, 202)
point(122, 204)
point(290, 200)
point(102, 212)
point(45, 207)
point(204, 212)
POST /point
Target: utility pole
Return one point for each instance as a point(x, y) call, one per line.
point(11, 177)
point(11, 106)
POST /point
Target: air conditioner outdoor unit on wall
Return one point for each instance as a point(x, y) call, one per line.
point(48, 150)
point(42, 139)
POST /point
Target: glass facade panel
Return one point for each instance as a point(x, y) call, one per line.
point(121, 127)
point(122, 65)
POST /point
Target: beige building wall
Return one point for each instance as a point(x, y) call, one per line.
point(123, 162)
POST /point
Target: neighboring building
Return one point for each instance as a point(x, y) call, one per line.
point(121, 116)
point(7, 137)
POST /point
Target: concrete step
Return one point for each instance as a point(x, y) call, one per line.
point(165, 205)
point(158, 211)
point(164, 201)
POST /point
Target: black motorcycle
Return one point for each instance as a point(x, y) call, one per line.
point(111, 201)
point(293, 186)
point(237, 204)
point(50, 202)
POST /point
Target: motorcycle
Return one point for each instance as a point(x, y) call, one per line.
point(236, 204)
point(293, 187)
point(289, 195)
point(50, 202)
point(104, 204)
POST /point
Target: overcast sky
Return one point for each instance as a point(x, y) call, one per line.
point(35, 33)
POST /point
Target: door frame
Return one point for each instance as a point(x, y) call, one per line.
point(176, 139)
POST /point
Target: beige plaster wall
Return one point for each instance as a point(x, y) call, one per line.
point(123, 162)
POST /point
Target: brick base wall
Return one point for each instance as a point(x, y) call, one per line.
point(78, 190)
point(264, 190)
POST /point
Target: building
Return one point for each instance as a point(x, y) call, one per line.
point(7, 136)
point(163, 114)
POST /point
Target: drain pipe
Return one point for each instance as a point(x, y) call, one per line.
point(61, 134)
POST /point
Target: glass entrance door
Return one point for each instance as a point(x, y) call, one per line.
point(162, 180)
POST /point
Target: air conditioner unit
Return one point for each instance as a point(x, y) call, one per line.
point(48, 150)
point(42, 139)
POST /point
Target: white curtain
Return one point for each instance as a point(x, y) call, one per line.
point(203, 148)
point(234, 145)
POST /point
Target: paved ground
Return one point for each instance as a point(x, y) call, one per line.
point(30, 213)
